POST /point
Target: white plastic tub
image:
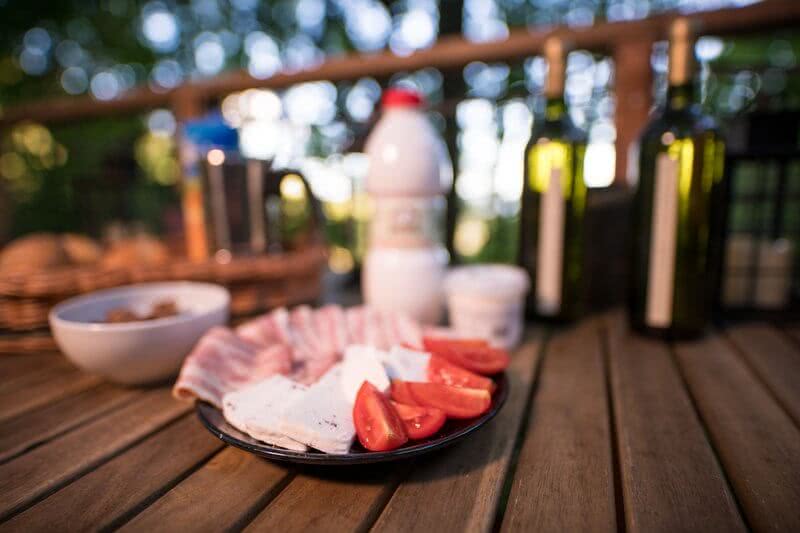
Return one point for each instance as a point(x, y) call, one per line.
point(488, 301)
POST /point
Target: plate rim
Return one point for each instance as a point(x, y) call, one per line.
point(276, 453)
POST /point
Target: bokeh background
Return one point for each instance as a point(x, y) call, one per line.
point(90, 175)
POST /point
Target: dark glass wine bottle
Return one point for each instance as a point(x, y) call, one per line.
point(554, 202)
point(678, 207)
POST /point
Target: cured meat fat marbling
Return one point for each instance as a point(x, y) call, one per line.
point(302, 344)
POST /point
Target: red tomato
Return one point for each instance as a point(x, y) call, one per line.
point(440, 370)
point(456, 402)
point(401, 394)
point(472, 354)
point(378, 425)
point(434, 344)
point(420, 422)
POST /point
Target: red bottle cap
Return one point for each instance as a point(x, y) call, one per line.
point(401, 97)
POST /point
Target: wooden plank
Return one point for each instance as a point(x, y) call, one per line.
point(14, 366)
point(33, 428)
point(18, 371)
point(794, 331)
point(757, 442)
point(106, 495)
point(29, 477)
point(449, 52)
point(221, 494)
point(776, 360)
point(43, 388)
point(564, 477)
point(460, 489)
point(336, 499)
point(671, 480)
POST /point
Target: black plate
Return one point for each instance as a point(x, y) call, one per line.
point(453, 431)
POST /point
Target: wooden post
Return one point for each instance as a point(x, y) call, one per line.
point(186, 104)
point(5, 214)
point(453, 90)
point(634, 90)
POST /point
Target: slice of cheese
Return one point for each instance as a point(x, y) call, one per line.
point(407, 365)
point(259, 408)
point(360, 364)
point(322, 418)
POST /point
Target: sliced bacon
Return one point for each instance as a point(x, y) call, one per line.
point(331, 324)
point(391, 331)
point(410, 330)
point(222, 362)
point(374, 334)
point(313, 369)
point(355, 325)
point(302, 343)
point(272, 328)
point(260, 330)
point(276, 359)
point(306, 339)
point(341, 334)
point(319, 352)
point(283, 330)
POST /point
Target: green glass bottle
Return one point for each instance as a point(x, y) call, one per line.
point(678, 208)
point(554, 202)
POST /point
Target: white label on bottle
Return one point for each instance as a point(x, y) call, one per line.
point(663, 240)
point(632, 165)
point(406, 222)
point(550, 251)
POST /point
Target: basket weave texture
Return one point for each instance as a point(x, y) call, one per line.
point(256, 283)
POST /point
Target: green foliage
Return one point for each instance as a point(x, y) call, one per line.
point(94, 186)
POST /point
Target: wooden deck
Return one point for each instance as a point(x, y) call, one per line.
point(603, 431)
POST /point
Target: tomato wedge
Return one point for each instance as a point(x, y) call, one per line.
point(473, 354)
point(401, 394)
point(456, 402)
point(433, 344)
point(420, 422)
point(378, 426)
point(440, 370)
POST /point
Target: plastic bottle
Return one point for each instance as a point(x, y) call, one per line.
point(405, 263)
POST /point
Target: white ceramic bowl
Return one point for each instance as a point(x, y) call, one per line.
point(139, 352)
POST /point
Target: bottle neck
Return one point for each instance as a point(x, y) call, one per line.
point(554, 83)
point(680, 93)
point(555, 108)
point(680, 96)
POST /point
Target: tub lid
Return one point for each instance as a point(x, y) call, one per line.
point(488, 280)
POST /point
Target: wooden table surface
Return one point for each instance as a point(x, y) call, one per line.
point(603, 431)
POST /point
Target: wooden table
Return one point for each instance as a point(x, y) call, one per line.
point(603, 431)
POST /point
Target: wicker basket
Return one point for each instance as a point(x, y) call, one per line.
point(256, 283)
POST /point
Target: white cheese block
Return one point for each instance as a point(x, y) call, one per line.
point(407, 365)
point(258, 409)
point(360, 364)
point(322, 418)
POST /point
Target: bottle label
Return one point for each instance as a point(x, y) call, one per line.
point(632, 166)
point(663, 240)
point(550, 251)
point(406, 222)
